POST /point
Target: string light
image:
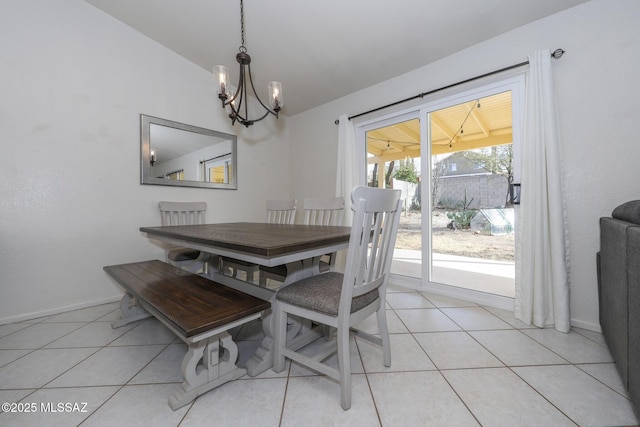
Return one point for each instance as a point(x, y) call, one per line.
point(460, 129)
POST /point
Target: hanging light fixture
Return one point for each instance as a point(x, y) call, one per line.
point(235, 100)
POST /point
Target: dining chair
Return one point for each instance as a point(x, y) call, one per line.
point(278, 212)
point(324, 212)
point(341, 301)
point(184, 213)
point(316, 212)
point(281, 211)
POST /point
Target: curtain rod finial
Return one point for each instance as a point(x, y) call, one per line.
point(337, 121)
point(557, 53)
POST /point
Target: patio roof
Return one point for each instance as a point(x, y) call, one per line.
point(479, 123)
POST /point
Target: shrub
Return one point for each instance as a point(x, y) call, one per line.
point(463, 215)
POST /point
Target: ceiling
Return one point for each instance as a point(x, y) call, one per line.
point(480, 123)
point(323, 50)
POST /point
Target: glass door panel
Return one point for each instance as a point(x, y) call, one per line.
point(472, 216)
point(393, 161)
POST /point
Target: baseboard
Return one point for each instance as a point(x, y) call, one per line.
point(595, 327)
point(481, 298)
point(58, 310)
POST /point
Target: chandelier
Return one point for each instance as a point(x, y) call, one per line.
point(235, 100)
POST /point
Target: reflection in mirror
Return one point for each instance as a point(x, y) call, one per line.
point(177, 154)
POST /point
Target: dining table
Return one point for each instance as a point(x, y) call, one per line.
point(297, 246)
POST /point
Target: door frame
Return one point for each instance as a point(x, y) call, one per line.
point(514, 81)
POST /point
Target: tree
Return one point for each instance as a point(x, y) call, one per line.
point(498, 161)
point(389, 174)
point(407, 171)
point(438, 171)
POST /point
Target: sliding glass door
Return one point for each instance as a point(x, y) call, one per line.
point(455, 160)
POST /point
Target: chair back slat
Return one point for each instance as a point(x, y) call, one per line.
point(324, 211)
point(373, 236)
point(182, 213)
point(281, 211)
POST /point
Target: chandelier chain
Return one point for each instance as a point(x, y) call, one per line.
point(242, 47)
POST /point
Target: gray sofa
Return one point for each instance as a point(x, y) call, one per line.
point(619, 292)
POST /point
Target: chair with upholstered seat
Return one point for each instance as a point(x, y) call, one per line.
point(184, 213)
point(278, 212)
point(316, 212)
point(344, 300)
point(324, 212)
point(281, 211)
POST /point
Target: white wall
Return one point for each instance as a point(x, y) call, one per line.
point(73, 82)
point(597, 96)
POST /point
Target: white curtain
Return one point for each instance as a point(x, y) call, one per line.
point(347, 173)
point(542, 285)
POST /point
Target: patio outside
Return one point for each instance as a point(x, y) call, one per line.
point(470, 181)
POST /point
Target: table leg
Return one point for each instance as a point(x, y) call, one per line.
point(298, 334)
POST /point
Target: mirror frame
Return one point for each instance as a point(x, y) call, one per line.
point(145, 147)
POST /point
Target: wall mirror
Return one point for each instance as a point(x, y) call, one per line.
point(182, 155)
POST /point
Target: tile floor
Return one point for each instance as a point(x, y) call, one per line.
point(453, 363)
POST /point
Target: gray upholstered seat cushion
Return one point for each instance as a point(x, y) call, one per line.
point(629, 212)
point(322, 293)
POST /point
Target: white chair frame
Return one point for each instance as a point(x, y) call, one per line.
point(324, 212)
point(281, 211)
point(278, 212)
point(184, 213)
point(373, 236)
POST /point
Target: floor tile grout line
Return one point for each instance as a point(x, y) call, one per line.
point(550, 349)
point(444, 377)
point(543, 396)
point(67, 370)
point(286, 390)
point(28, 352)
point(366, 376)
point(579, 366)
point(42, 346)
point(118, 389)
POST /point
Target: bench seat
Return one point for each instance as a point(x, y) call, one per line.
point(197, 310)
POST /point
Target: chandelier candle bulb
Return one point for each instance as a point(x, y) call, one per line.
point(275, 91)
point(222, 76)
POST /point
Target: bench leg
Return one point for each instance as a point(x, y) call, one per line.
point(130, 311)
point(208, 364)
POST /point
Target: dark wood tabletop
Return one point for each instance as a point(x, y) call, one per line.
point(262, 239)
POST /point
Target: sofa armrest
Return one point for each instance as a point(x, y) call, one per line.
point(629, 212)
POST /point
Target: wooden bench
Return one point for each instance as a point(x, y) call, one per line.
point(197, 310)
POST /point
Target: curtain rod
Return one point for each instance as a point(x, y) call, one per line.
point(556, 55)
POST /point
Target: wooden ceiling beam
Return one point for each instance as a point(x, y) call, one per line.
point(471, 144)
point(437, 122)
point(480, 122)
